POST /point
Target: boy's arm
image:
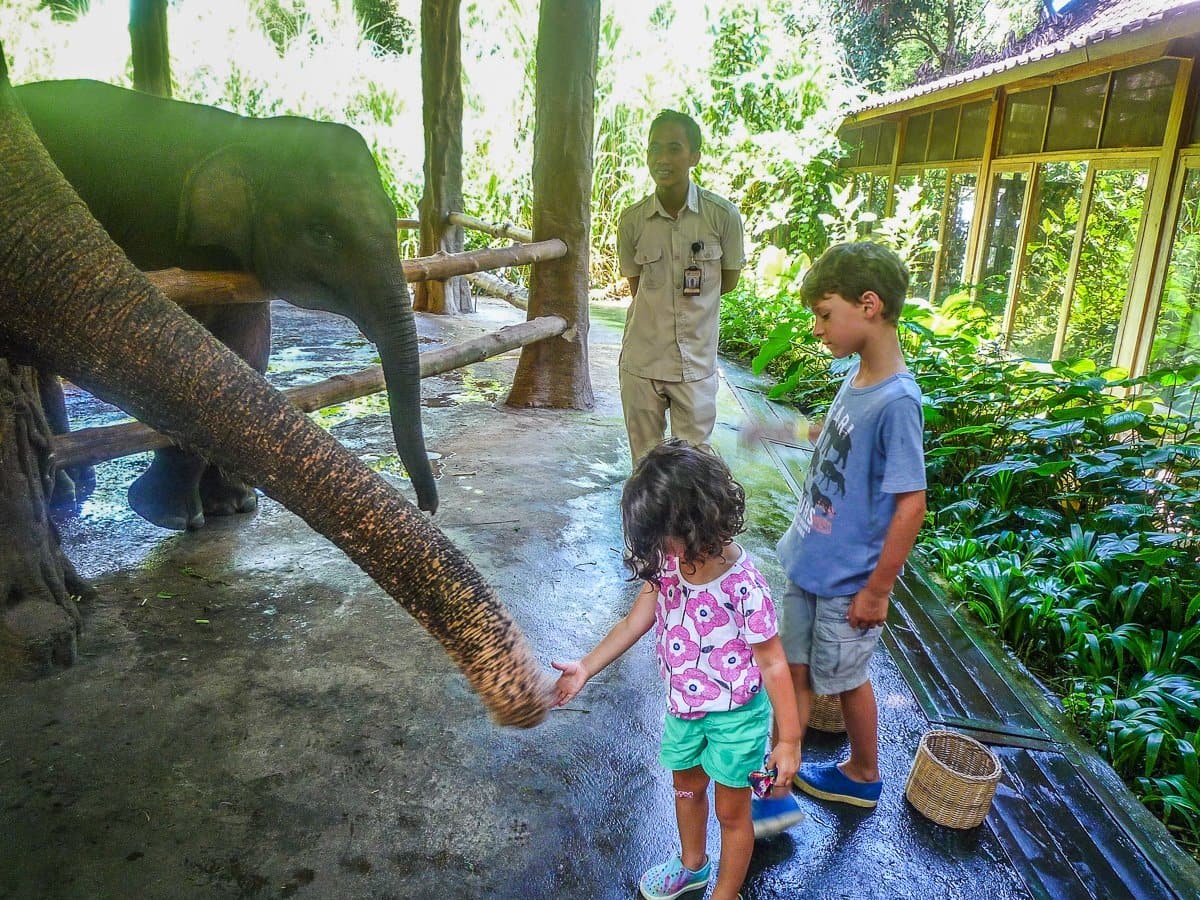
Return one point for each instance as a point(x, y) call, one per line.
point(633, 284)
point(620, 638)
point(870, 605)
point(777, 678)
point(802, 429)
point(729, 279)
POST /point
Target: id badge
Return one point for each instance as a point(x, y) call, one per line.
point(692, 277)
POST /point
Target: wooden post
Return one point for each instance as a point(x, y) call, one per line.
point(441, 91)
point(148, 38)
point(555, 374)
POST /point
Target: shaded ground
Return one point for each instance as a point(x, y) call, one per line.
point(252, 717)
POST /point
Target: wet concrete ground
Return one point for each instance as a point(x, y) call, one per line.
point(252, 717)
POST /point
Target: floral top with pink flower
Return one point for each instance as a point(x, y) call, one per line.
point(703, 634)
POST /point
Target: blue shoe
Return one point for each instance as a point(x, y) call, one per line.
point(831, 783)
point(673, 879)
point(773, 815)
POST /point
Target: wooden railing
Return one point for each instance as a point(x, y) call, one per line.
point(88, 446)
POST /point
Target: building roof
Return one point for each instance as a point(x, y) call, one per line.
point(1139, 22)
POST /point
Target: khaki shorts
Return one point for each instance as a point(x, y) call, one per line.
point(815, 633)
point(693, 406)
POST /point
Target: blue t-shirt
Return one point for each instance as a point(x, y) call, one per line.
point(870, 449)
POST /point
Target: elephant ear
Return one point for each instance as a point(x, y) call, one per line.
point(216, 209)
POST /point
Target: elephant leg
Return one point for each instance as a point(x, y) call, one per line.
point(72, 484)
point(246, 330)
point(168, 493)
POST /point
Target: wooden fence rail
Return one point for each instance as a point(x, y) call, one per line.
point(199, 288)
point(89, 446)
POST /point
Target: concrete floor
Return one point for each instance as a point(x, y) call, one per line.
point(252, 717)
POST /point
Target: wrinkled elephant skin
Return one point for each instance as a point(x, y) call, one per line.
point(299, 203)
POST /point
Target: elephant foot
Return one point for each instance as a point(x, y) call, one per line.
point(72, 486)
point(225, 495)
point(168, 493)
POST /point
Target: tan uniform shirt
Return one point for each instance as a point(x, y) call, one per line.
point(670, 336)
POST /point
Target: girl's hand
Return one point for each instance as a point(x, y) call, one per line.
point(785, 756)
point(570, 682)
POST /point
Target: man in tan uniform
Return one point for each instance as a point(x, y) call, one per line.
point(681, 249)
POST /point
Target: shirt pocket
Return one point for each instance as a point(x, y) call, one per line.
point(654, 267)
point(708, 258)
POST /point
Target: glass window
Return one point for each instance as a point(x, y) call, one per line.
point(866, 152)
point(942, 134)
point(1075, 114)
point(1139, 105)
point(957, 226)
point(933, 197)
point(1177, 332)
point(851, 139)
point(1039, 300)
point(915, 136)
point(1000, 239)
point(1024, 122)
point(887, 144)
point(1105, 264)
point(972, 130)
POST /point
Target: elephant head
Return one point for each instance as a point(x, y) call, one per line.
point(297, 202)
point(71, 300)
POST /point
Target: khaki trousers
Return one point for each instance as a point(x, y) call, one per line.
point(645, 401)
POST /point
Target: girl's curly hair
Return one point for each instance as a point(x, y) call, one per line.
point(678, 491)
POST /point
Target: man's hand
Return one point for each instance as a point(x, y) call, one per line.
point(570, 682)
point(868, 608)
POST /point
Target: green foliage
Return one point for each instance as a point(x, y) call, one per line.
point(890, 41)
point(1065, 511)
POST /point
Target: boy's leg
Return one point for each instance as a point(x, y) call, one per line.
point(737, 840)
point(645, 409)
point(691, 813)
point(861, 714)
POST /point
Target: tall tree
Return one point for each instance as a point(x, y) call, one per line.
point(554, 372)
point(148, 38)
point(890, 39)
point(442, 111)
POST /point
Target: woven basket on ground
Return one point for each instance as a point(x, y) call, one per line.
point(826, 713)
point(953, 779)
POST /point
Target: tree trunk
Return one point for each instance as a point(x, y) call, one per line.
point(554, 373)
point(38, 585)
point(441, 89)
point(148, 38)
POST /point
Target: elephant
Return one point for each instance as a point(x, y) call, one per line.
point(72, 301)
point(298, 203)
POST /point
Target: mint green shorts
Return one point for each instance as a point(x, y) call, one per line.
point(727, 745)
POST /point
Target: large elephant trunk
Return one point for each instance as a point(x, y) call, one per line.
point(396, 338)
point(70, 299)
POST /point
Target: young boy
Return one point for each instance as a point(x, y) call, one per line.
point(681, 249)
point(862, 506)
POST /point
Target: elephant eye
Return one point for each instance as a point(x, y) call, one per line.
point(320, 233)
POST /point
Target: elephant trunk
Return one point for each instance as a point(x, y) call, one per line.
point(70, 299)
point(395, 335)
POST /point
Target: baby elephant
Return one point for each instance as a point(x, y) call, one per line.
point(296, 202)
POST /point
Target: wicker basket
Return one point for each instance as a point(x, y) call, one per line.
point(953, 779)
point(826, 714)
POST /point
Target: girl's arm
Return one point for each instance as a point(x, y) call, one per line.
point(777, 678)
point(620, 638)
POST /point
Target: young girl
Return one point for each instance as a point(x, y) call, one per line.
point(717, 648)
